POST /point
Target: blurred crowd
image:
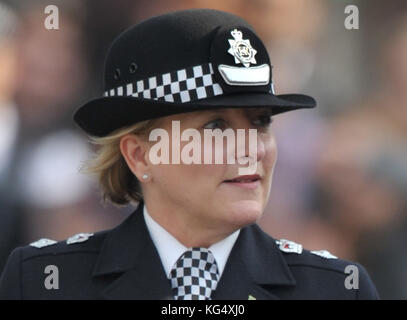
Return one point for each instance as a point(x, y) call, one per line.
point(340, 181)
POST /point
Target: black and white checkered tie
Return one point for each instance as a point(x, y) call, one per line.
point(195, 275)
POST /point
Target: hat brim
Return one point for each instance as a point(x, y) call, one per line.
point(102, 116)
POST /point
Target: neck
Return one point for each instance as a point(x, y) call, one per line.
point(186, 228)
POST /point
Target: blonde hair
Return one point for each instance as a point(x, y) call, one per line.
point(117, 183)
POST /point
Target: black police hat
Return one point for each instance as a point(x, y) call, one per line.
point(180, 62)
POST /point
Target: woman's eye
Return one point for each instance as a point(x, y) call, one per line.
point(263, 120)
point(215, 124)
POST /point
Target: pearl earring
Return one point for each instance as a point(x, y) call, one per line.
point(145, 176)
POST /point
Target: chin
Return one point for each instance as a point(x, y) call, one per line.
point(244, 212)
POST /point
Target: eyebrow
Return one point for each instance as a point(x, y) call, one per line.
point(247, 110)
point(258, 111)
point(209, 111)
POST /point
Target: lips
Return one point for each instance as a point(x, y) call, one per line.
point(244, 179)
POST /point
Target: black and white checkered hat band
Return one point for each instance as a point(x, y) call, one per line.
point(184, 85)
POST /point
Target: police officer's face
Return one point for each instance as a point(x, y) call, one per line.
point(201, 196)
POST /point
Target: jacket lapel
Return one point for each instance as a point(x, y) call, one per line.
point(129, 251)
point(254, 268)
point(146, 281)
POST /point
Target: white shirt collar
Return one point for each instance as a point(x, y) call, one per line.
point(170, 249)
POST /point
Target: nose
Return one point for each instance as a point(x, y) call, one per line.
point(253, 145)
point(261, 148)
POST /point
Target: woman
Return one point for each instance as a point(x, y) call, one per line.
point(193, 235)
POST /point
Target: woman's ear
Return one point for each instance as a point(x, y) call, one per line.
point(134, 151)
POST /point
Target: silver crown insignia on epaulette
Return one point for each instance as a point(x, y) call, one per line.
point(324, 254)
point(44, 242)
point(289, 246)
point(80, 237)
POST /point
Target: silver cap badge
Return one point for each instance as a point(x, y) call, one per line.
point(241, 49)
point(324, 254)
point(44, 242)
point(80, 237)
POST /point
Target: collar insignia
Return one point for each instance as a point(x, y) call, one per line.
point(289, 246)
point(324, 254)
point(44, 242)
point(241, 49)
point(80, 237)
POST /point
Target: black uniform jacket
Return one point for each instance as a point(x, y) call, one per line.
point(123, 263)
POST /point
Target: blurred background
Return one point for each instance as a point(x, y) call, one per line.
point(341, 178)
